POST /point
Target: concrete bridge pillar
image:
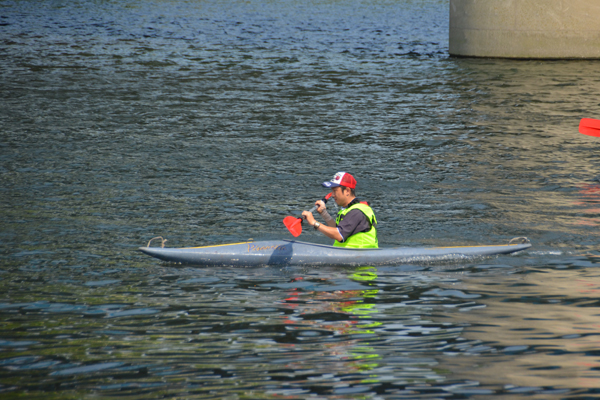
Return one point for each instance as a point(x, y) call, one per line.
point(525, 28)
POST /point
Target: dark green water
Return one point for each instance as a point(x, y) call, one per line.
point(208, 123)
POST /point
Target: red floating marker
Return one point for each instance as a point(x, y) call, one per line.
point(590, 127)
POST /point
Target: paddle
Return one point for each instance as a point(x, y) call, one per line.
point(294, 224)
point(590, 127)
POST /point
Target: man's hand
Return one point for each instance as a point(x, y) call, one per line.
point(309, 217)
point(320, 206)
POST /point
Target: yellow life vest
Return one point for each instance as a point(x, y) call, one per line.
point(361, 240)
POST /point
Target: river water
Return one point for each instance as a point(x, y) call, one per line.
point(208, 122)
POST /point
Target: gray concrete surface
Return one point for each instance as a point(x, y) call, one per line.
point(525, 28)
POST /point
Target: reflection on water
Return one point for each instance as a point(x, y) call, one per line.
point(326, 332)
point(296, 332)
point(539, 329)
point(590, 197)
point(208, 123)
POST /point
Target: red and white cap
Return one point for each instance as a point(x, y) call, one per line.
point(341, 179)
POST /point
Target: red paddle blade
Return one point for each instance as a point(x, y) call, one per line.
point(590, 127)
point(294, 225)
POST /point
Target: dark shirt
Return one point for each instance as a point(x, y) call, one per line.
point(354, 222)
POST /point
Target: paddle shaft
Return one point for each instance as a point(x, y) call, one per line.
point(312, 210)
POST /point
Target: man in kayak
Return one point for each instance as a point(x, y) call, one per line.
point(355, 225)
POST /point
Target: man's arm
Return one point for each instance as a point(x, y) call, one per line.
point(324, 214)
point(331, 232)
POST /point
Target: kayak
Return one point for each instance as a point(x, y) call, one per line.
point(291, 252)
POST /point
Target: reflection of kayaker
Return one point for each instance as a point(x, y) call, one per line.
point(350, 302)
point(355, 225)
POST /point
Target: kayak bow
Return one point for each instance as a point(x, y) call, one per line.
point(290, 252)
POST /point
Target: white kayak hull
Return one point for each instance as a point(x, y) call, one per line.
point(290, 252)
